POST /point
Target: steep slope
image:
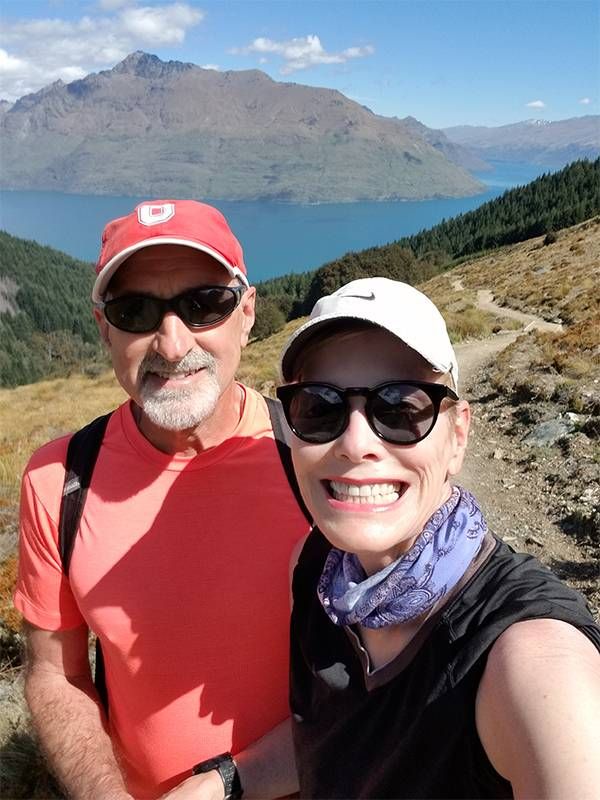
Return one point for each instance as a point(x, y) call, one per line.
point(457, 153)
point(46, 323)
point(167, 128)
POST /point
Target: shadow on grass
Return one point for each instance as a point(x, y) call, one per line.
point(23, 774)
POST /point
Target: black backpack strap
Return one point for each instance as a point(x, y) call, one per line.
point(82, 454)
point(81, 459)
point(279, 430)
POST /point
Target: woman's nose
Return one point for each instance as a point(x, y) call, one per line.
point(358, 442)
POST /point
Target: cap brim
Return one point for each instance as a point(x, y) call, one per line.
point(109, 269)
point(308, 331)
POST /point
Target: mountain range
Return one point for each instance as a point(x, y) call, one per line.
point(157, 128)
point(534, 141)
point(150, 127)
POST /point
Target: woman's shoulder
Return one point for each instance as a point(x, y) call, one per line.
point(537, 707)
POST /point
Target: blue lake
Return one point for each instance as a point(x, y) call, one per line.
point(277, 237)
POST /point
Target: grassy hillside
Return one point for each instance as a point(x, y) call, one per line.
point(559, 282)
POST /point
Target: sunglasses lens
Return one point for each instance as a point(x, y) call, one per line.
point(402, 413)
point(134, 313)
point(317, 414)
point(140, 313)
point(206, 306)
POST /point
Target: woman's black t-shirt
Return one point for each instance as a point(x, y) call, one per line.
point(407, 730)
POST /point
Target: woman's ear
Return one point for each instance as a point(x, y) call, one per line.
point(460, 424)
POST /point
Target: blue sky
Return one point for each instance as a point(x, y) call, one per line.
point(445, 62)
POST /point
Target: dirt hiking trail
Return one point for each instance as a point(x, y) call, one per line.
point(514, 503)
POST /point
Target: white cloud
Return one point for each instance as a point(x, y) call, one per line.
point(160, 24)
point(20, 76)
point(585, 101)
point(40, 51)
point(536, 104)
point(211, 66)
point(302, 52)
point(10, 64)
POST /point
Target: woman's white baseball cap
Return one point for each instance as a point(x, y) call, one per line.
point(395, 306)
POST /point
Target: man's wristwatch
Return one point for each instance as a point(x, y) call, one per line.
point(225, 766)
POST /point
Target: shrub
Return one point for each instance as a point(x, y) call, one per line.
point(269, 318)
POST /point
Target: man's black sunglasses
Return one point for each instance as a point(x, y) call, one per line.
point(400, 412)
point(142, 313)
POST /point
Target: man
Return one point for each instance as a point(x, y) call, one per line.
point(180, 561)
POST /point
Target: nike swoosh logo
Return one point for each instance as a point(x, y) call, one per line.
point(370, 296)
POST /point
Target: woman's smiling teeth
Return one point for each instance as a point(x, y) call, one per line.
point(366, 493)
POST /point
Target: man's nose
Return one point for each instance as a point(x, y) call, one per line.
point(173, 339)
point(358, 442)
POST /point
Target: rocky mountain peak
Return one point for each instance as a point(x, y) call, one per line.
point(146, 65)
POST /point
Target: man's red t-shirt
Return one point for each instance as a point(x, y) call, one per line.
point(181, 568)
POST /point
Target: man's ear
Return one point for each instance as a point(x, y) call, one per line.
point(103, 326)
point(247, 306)
point(460, 417)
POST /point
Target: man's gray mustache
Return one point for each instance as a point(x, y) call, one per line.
point(191, 362)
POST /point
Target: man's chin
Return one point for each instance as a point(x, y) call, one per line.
point(177, 416)
point(174, 421)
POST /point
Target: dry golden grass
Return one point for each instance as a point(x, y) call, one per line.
point(259, 367)
point(8, 577)
point(559, 282)
point(34, 414)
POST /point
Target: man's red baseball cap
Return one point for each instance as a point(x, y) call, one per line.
point(185, 222)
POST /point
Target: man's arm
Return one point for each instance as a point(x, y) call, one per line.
point(538, 707)
point(67, 714)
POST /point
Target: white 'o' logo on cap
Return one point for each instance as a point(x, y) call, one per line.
point(149, 214)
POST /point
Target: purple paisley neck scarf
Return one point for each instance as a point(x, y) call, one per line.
point(413, 583)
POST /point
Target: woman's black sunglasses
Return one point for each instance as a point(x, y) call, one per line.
point(400, 412)
point(142, 313)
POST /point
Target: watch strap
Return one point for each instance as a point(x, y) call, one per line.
point(227, 769)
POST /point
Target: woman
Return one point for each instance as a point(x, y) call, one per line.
point(428, 660)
